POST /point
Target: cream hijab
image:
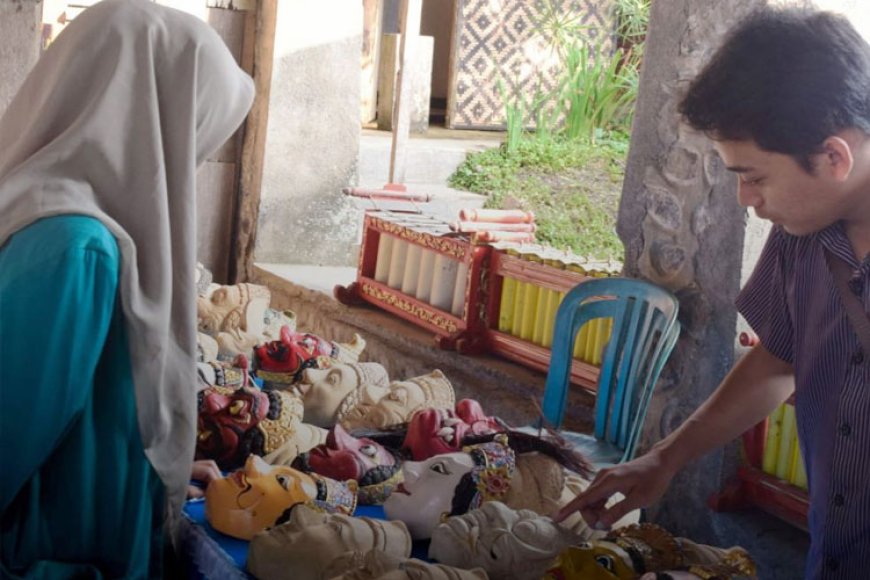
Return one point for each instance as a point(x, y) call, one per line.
point(112, 122)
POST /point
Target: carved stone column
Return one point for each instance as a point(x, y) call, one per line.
point(683, 230)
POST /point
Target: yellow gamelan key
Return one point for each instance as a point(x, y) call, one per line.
point(771, 445)
point(506, 308)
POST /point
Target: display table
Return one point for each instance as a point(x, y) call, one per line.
point(207, 554)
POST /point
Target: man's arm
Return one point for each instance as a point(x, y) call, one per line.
point(757, 384)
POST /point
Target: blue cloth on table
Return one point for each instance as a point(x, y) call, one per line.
point(235, 551)
point(78, 497)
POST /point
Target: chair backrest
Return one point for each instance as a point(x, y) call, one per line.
point(645, 330)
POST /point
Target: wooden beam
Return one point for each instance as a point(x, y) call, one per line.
point(257, 54)
point(373, 15)
point(409, 26)
point(232, 4)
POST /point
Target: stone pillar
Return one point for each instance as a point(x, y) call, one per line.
point(312, 143)
point(20, 27)
point(683, 230)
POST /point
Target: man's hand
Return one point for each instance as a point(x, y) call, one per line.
point(757, 384)
point(204, 471)
point(642, 482)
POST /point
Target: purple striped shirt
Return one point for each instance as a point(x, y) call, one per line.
point(792, 303)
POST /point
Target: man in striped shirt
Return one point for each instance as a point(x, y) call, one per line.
point(786, 100)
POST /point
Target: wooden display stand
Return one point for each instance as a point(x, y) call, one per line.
point(409, 264)
point(523, 350)
point(754, 487)
point(418, 268)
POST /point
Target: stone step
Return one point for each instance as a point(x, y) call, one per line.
point(430, 159)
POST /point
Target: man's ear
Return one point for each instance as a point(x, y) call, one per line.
point(836, 159)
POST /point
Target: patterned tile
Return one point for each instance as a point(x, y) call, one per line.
point(502, 40)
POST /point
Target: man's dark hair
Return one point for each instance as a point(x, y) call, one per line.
point(785, 78)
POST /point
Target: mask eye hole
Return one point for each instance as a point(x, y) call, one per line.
point(439, 467)
point(368, 450)
point(284, 481)
point(333, 378)
point(605, 562)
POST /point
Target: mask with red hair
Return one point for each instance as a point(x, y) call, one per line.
point(434, 432)
point(344, 457)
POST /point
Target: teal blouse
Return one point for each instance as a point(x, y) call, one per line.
point(78, 496)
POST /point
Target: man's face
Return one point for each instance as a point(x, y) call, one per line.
point(780, 190)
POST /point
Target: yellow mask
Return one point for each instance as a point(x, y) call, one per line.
point(599, 561)
point(251, 499)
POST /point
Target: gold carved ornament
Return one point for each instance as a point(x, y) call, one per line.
point(412, 309)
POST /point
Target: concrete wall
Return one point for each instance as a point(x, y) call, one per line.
point(858, 12)
point(312, 143)
point(20, 25)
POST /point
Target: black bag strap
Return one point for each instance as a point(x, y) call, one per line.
point(841, 272)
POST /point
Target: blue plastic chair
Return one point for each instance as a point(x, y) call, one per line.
point(645, 331)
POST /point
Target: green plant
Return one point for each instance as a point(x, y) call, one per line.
point(571, 185)
point(559, 28)
point(569, 170)
point(632, 20)
point(597, 87)
point(598, 92)
point(515, 114)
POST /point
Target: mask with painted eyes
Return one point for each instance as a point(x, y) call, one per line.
point(628, 552)
point(256, 497)
point(342, 457)
point(226, 423)
point(360, 396)
point(593, 561)
point(437, 431)
point(235, 423)
point(373, 407)
point(282, 362)
point(450, 484)
point(306, 544)
point(508, 544)
point(241, 307)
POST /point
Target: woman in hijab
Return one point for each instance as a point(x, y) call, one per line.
point(98, 156)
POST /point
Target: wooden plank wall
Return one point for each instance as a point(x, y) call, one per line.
point(228, 184)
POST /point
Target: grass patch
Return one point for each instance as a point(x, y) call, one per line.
point(572, 186)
